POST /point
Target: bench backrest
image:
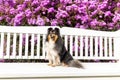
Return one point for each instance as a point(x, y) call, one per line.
point(28, 43)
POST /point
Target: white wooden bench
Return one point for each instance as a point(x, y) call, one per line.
point(28, 43)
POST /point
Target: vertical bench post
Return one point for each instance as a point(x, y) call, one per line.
point(117, 45)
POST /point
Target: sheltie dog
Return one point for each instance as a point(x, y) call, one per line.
point(56, 51)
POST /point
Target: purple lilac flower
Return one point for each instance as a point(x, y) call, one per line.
point(12, 11)
point(2, 9)
point(20, 8)
point(68, 8)
point(116, 17)
point(102, 23)
point(62, 14)
point(84, 19)
point(40, 21)
point(18, 18)
point(74, 7)
point(92, 6)
point(45, 2)
point(8, 19)
point(37, 9)
point(69, 22)
point(31, 21)
point(82, 9)
point(1, 18)
point(65, 1)
point(94, 22)
point(47, 19)
point(108, 13)
point(77, 25)
point(83, 27)
point(94, 12)
point(77, 1)
point(118, 5)
point(11, 3)
point(35, 3)
point(102, 5)
point(1, 2)
point(50, 10)
point(77, 17)
point(27, 0)
point(28, 13)
point(110, 25)
point(54, 22)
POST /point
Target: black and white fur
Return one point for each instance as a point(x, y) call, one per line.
point(56, 51)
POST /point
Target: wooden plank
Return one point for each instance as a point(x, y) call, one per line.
point(26, 46)
point(76, 47)
point(96, 46)
point(43, 48)
point(14, 47)
point(101, 47)
point(20, 46)
point(91, 46)
point(81, 46)
point(7, 56)
point(32, 47)
point(66, 42)
point(71, 45)
point(38, 47)
point(110, 47)
point(105, 49)
point(2, 46)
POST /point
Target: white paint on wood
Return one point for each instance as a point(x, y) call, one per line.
point(71, 45)
point(38, 47)
point(20, 46)
point(26, 46)
point(7, 56)
point(2, 46)
point(14, 46)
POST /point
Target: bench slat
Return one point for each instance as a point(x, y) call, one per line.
point(76, 47)
point(14, 46)
point(20, 46)
point(32, 47)
point(81, 46)
point(91, 46)
point(96, 47)
point(38, 47)
point(110, 47)
point(71, 45)
point(26, 46)
point(2, 46)
point(101, 47)
point(105, 47)
point(7, 56)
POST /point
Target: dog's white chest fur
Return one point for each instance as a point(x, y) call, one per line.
point(50, 48)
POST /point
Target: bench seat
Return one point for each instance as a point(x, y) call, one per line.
point(41, 70)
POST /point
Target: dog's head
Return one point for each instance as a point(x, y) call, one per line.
point(53, 34)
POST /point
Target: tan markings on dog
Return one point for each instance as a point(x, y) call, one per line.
point(49, 37)
point(56, 37)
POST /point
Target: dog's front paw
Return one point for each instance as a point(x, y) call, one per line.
point(53, 65)
point(49, 64)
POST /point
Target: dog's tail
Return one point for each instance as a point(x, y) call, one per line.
point(75, 63)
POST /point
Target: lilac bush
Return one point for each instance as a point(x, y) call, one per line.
point(86, 14)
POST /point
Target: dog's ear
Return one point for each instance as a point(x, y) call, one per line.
point(49, 29)
point(57, 30)
point(48, 32)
